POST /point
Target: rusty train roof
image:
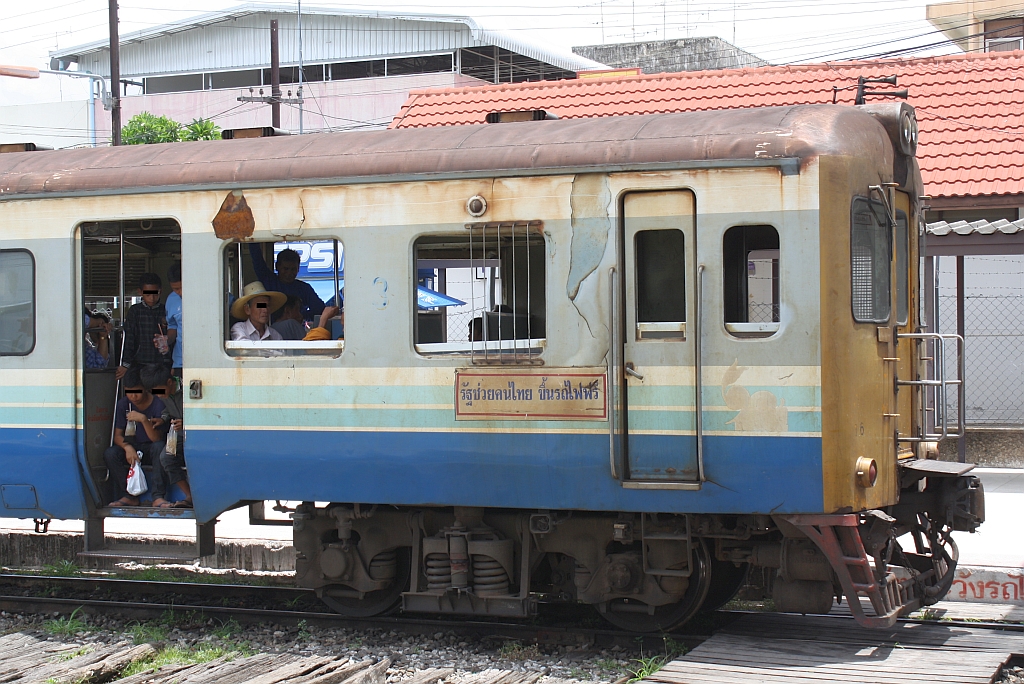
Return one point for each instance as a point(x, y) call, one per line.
point(768, 136)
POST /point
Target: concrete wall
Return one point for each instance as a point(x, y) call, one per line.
point(989, 448)
point(356, 104)
point(685, 54)
point(53, 124)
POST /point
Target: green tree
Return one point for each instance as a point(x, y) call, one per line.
point(201, 129)
point(145, 128)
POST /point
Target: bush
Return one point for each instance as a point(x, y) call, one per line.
point(146, 128)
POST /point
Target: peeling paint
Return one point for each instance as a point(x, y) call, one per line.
point(591, 226)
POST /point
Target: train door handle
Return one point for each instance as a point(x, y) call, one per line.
point(631, 370)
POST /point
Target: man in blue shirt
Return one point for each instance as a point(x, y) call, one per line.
point(175, 327)
point(284, 281)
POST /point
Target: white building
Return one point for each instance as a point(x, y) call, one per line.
point(358, 68)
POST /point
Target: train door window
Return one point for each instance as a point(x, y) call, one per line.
point(751, 288)
point(871, 259)
point(481, 292)
point(660, 284)
point(902, 269)
point(284, 298)
point(17, 302)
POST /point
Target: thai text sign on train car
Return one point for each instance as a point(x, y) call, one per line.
point(536, 394)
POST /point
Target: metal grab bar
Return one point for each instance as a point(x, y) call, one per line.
point(698, 379)
point(939, 384)
point(612, 351)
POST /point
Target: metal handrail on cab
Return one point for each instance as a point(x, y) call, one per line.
point(936, 388)
point(612, 383)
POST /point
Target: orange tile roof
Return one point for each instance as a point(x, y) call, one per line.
point(969, 107)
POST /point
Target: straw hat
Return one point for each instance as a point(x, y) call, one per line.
point(252, 291)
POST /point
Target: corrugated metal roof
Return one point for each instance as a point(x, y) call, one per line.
point(981, 227)
point(239, 38)
point(970, 107)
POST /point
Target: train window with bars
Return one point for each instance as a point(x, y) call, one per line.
point(902, 269)
point(481, 293)
point(751, 289)
point(17, 302)
point(294, 276)
point(870, 262)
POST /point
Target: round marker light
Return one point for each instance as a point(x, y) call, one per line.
point(476, 205)
point(867, 472)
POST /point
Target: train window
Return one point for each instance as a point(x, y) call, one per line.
point(284, 298)
point(17, 302)
point(902, 269)
point(660, 284)
point(751, 289)
point(481, 292)
point(871, 259)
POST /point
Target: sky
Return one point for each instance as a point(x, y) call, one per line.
point(780, 31)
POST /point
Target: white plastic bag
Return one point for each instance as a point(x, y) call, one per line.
point(136, 479)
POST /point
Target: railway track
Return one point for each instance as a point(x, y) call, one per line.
point(748, 645)
point(89, 595)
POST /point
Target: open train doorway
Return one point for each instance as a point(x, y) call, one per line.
point(128, 264)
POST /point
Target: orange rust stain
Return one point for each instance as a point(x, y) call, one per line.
point(234, 220)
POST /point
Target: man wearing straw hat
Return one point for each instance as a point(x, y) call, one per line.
point(254, 308)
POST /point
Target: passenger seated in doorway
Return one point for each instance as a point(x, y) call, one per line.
point(289, 322)
point(144, 325)
point(97, 339)
point(143, 411)
point(254, 307)
point(322, 332)
point(284, 281)
point(166, 387)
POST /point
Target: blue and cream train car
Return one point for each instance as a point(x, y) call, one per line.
point(686, 344)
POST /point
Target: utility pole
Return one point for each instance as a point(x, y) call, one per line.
point(299, 93)
point(275, 76)
point(275, 98)
point(115, 76)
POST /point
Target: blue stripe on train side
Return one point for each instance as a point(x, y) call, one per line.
point(745, 474)
point(42, 458)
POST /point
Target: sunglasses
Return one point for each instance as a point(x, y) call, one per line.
point(151, 292)
point(261, 305)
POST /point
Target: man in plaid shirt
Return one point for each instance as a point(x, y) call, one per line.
point(145, 327)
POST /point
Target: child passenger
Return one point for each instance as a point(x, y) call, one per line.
point(138, 412)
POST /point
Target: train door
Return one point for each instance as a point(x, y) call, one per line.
point(659, 352)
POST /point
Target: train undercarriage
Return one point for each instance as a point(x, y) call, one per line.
point(641, 571)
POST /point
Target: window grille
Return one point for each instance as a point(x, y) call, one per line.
point(871, 259)
point(481, 293)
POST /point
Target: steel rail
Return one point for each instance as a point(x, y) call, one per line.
point(461, 625)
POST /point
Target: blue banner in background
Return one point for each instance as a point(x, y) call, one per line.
point(316, 258)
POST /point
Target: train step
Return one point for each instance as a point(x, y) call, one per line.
point(99, 548)
point(147, 512)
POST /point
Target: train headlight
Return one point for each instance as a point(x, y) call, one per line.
point(867, 472)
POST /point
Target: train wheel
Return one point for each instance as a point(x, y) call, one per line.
point(726, 580)
point(634, 616)
point(375, 602)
